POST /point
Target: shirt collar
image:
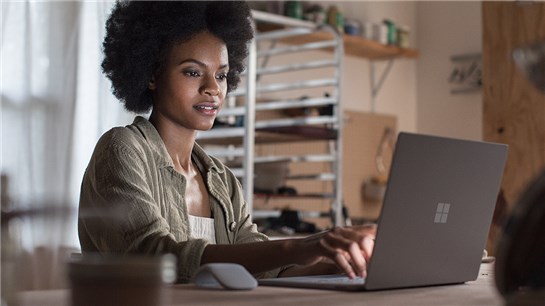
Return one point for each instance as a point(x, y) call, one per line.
point(156, 143)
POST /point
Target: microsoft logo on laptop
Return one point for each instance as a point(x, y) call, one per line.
point(442, 213)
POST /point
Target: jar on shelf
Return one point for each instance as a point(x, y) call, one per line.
point(367, 30)
point(403, 34)
point(316, 14)
point(352, 27)
point(392, 32)
point(293, 9)
point(335, 18)
point(380, 33)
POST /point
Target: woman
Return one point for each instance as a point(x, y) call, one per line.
point(180, 59)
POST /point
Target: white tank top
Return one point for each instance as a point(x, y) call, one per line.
point(202, 228)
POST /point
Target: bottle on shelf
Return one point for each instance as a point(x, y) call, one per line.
point(335, 18)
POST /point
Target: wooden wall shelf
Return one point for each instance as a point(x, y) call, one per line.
point(353, 45)
point(361, 47)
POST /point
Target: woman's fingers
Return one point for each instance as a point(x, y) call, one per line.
point(348, 246)
point(363, 236)
point(358, 260)
point(334, 250)
point(367, 247)
point(344, 264)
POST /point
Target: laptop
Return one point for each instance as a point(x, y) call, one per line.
point(435, 217)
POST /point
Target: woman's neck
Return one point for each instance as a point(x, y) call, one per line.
point(178, 140)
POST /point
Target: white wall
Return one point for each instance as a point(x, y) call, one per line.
point(398, 94)
point(446, 29)
point(418, 91)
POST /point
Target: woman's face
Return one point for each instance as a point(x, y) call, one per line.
point(192, 86)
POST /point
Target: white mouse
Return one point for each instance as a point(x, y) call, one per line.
point(224, 275)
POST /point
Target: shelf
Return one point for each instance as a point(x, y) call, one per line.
point(309, 132)
point(360, 47)
point(263, 213)
point(353, 45)
point(270, 135)
point(295, 196)
point(262, 121)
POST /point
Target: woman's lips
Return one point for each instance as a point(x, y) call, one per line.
point(208, 109)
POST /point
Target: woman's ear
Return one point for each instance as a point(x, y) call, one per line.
point(151, 84)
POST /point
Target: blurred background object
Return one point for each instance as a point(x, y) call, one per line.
point(35, 245)
point(520, 258)
point(55, 104)
point(135, 280)
point(520, 265)
point(374, 188)
point(531, 61)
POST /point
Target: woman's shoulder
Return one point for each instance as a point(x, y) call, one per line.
point(138, 138)
point(121, 137)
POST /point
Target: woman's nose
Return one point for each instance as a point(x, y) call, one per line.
point(211, 87)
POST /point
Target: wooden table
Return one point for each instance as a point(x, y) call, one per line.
point(479, 292)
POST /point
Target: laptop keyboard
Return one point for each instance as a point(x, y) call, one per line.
point(329, 279)
point(342, 280)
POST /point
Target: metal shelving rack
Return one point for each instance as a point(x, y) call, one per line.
point(238, 141)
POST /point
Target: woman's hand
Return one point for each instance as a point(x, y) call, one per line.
point(350, 248)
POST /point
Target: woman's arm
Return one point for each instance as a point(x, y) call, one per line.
point(118, 180)
point(340, 249)
point(348, 248)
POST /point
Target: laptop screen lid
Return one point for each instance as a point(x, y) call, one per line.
point(437, 210)
point(435, 216)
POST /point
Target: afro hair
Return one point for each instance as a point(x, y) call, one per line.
point(139, 35)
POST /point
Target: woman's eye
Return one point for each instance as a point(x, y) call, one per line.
point(192, 73)
point(222, 76)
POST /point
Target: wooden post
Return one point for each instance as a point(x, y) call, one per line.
point(513, 110)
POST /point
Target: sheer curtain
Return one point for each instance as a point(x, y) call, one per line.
point(55, 104)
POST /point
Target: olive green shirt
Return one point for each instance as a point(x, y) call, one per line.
point(132, 200)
